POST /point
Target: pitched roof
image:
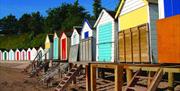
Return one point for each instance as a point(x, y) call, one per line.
point(78, 29)
point(123, 1)
point(50, 37)
point(111, 13)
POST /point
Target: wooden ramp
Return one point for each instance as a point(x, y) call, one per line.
point(68, 78)
point(36, 59)
point(50, 73)
point(37, 69)
point(152, 81)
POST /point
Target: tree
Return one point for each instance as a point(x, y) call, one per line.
point(97, 8)
point(9, 24)
point(24, 22)
point(37, 23)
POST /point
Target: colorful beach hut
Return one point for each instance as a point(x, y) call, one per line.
point(11, 55)
point(49, 46)
point(33, 53)
point(41, 54)
point(5, 55)
point(137, 30)
point(55, 46)
point(17, 55)
point(87, 43)
point(28, 54)
point(23, 55)
point(168, 8)
point(75, 40)
point(1, 55)
point(106, 30)
point(65, 45)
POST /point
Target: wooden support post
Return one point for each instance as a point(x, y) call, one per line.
point(149, 80)
point(88, 88)
point(170, 81)
point(118, 78)
point(93, 78)
point(128, 75)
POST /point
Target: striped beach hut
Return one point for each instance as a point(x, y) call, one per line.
point(65, 45)
point(23, 54)
point(106, 30)
point(87, 43)
point(28, 54)
point(168, 8)
point(55, 46)
point(5, 55)
point(137, 30)
point(11, 55)
point(33, 53)
point(1, 55)
point(17, 55)
point(49, 46)
point(75, 40)
point(41, 54)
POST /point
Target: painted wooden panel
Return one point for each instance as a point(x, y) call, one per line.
point(144, 43)
point(105, 52)
point(23, 55)
point(56, 48)
point(128, 46)
point(130, 19)
point(11, 55)
point(136, 44)
point(17, 55)
point(41, 54)
point(86, 30)
point(169, 40)
point(33, 54)
point(122, 54)
point(73, 54)
point(28, 53)
point(105, 33)
point(1, 56)
point(5, 55)
point(153, 18)
point(168, 8)
point(64, 47)
point(131, 5)
point(75, 38)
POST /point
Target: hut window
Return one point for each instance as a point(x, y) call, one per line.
point(86, 35)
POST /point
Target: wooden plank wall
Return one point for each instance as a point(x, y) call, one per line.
point(134, 44)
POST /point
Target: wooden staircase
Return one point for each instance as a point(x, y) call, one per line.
point(68, 78)
point(153, 81)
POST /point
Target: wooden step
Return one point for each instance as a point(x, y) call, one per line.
point(132, 88)
point(143, 77)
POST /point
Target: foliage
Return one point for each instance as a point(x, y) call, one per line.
point(97, 8)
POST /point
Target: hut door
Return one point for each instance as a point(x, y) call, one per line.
point(29, 56)
point(5, 56)
point(23, 56)
point(63, 49)
point(17, 55)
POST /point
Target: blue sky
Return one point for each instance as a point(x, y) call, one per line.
point(19, 7)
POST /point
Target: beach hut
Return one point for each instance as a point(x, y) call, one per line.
point(106, 30)
point(65, 45)
point(11, 55)
point(1, 55)
point(23, 55)
point(55, 46)
point(33, 54)
point(168, 8)
point(17, 54)
point(49, 46)
point(137, 30)
point(41, 54)
point(5, 55)
point(28, 54)
point(75, 40)
point(87, 43)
